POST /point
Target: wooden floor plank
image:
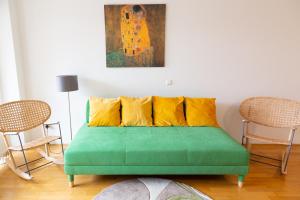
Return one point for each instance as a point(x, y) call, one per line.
point(263, 182)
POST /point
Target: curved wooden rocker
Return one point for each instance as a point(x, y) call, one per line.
point(20, 116)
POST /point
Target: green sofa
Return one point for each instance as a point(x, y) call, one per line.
point(154, 151)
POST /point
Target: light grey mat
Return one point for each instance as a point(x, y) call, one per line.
point(150, 189)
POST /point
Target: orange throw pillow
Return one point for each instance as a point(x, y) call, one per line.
point(201, 112)
point(168, 111)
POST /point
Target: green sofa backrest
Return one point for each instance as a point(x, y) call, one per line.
point(87, 112)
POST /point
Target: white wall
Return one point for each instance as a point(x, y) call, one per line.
point(10, 79)
point(8, 71)
point(229, 49)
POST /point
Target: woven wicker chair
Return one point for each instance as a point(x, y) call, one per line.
point(275, 113)
point(19, 116)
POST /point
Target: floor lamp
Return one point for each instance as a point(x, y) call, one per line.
point(68, 83)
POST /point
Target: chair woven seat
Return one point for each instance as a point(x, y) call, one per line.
point(266, 139)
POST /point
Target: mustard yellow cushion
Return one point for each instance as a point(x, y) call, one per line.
point(201, 112)
point(136, 111)
point(104, 111)
point(168, 111)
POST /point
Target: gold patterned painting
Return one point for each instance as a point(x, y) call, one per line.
point(135, 35)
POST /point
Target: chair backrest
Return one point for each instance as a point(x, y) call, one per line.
point(23, 115)
point(272, 112)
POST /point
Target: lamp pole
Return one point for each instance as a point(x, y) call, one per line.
point(68, 83)
point(70, 116)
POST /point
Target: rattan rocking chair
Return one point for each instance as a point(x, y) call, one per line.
point(275, 113)
point(20, 116)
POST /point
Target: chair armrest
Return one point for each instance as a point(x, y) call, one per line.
point(245, 121)
point(15, 133)
point(51, 124)
point(46, 125)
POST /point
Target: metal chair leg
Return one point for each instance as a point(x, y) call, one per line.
point(245, 139)
point(12, 158)
point(9, 151)
point(62, 147)
point(244, 132)
point(45, 135)
point(47, 149)
point(61, 142)
point(26, 163)
point(287, 153)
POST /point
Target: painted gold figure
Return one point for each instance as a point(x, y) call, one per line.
point(135, 35)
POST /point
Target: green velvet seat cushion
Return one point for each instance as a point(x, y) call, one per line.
point(146, 146)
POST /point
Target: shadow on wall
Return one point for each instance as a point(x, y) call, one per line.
point(90, 87)
point(231, 120)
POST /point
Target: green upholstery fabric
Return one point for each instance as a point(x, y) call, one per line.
point(155, 170)
point(154, 146)
point(154, 150)
point(87, 110)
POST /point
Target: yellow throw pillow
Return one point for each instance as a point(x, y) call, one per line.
point(136, 111)
point(168, 111)
point(201, 112)
point(104, 111)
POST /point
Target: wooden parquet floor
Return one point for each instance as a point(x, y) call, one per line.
point(262, 183)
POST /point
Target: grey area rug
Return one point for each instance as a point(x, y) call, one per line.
point(150, 189)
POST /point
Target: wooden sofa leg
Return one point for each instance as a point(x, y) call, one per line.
point(71, 180)
point(241, 180)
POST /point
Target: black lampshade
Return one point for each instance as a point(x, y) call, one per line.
point(67, 83)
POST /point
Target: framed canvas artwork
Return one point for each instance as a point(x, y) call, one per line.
point(135, 35)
